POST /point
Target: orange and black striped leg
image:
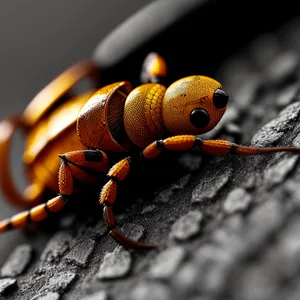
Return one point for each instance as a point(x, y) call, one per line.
point(211, 147)
point(107, 198)
point(41, 212)
point(81, 164)
point(86, 165)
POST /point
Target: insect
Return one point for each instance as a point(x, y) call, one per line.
point(75, 138)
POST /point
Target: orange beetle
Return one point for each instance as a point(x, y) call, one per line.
point(73, 137)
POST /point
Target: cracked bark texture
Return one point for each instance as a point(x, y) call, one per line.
point(227, 227)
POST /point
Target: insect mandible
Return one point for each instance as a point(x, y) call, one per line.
point(74, 138)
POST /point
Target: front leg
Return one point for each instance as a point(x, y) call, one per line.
point(176, 143)
point(211, 147)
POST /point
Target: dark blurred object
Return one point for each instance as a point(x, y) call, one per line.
point(193, 35)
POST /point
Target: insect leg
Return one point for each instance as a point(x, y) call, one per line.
point(211, 147)
point(73, 164)
point(175, 143)
point(86, 165)
point(223, 147)
point(40, 212)
point(107, 198)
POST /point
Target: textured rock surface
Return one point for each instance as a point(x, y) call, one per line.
point(227, 228)
point(7, 284)
point(17, 261)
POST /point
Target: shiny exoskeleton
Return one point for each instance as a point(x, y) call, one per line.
point(68, 138)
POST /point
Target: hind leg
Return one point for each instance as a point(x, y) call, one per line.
point(81, 164)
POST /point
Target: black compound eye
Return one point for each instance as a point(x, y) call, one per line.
point(199, 117)
point(220, 98)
